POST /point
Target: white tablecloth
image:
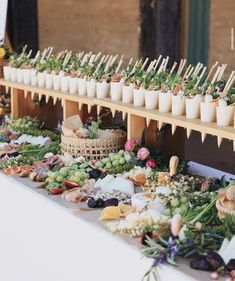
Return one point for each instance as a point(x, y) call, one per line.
point(47, 240)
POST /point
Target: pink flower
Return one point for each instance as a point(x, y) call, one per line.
point(143, 153)
point(130, 145)
point(151, 163)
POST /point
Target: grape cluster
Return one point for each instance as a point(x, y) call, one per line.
point(73, 173)
point(177, 206)
point(117, 162)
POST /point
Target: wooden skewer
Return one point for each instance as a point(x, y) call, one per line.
point(216, 75)
point(145, 62)
point(139, 62)
point(108, 64)
point(158, 61)
point(36, 57)
point(50, 51)
point(201, 75)
point(182, 67)
point(161, 66)
point(228, 82)
point(210, 72)
point(198, 69)
point(231, 83)
point(151, 65)
point(187, 70)
point(119, 65)
point(222, 72)
point(190, 72)
point(100, 63)
point(106, 58)
point(166, 62)
point(113, 60)
point(29, 54)
point(130, 61)
point(173, 67)
point(134, 67)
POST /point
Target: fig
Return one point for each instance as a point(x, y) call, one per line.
point(230, 265)
point(95, 173)
point(201, 263)
point(70, 184)
point(111, 202)
point(91, 203)
point(56, 191)
point(215, 260)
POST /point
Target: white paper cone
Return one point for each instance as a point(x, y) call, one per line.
point(27, 76)
point(224, 115)
point(151, 99)
point(116, 90)
point(73, 85)
point(138, 97)
point(102, 89)
point(193, 107)
point(178, 105)
point(19, 75)
point(41, 79)
point(127, 93)
point(165, 100)
point(13, 74)
point(82, 86)
point(49, 80)
point(57, 82)
point(208, 111)
point(65, 84)
point(34, 78)
point(91, 88)
point(6, 72)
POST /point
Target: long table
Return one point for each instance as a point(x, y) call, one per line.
point(45, 238)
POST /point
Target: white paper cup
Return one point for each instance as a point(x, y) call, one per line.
point(138, 97)
point(208, 111)
point(49, 80)
point(27, 76)
point(193, 107)
point(151, 99)
point(116, 91)
point(19, 75)
point(65, 84)
point(73, 85)
point(178, 105)
point(56, 82)
point(13, 74)
point(224, 115)
point(127, 93)
point(34, 77)
point(41, 79)
point(6, 72)
point(102, 90)
point(165, 100)
point(91, 88)
point(82, 86)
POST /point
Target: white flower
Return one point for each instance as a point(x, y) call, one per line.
point(182, 232)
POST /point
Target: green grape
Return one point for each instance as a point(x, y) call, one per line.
point(78, 174)
point(50, 181)
point(117, 157)
point(115, 163)
point(105, 160)
point(77, 179)
point(81, 183)
point(121, 152)
point(50, 174)
point(122, 160)
point(108, 165)
point(60, 178)
point(175, 203)
point(86, 176)
point(83, 165)
point(167, 212)
point(64, 171)
point(183, 199)
point(183, 209)
point(177, 211)
point(74, 166)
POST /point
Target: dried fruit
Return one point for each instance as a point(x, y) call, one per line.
point(111, 202)
point(56, 191)
point(70, 184)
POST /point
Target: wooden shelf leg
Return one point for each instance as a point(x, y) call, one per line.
point(14, 103)
point(135, 126)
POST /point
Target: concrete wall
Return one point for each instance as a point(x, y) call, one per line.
point(110, 26)
point(222, 19)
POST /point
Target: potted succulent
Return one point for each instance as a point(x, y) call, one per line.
point(165, 94)
point(138, 91)
point(5, 53)
point(128, 85)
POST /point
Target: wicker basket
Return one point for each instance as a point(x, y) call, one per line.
point(93, 149)
point(223, 211)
